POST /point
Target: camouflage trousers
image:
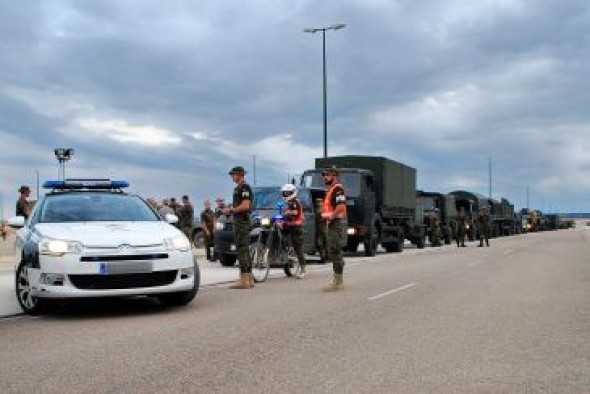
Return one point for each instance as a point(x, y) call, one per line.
point(242, 239)
point(296, 235)
point(187, 230)
point(334, 238)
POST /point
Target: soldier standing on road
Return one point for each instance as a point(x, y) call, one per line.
point(435, 223)
point(23, 206)
point(208, 222)
point(186, 217)
point(4, 230)
point(241, 210)
point(483, 221)
point(294, 225)
point(334, 213)
point(461, 227)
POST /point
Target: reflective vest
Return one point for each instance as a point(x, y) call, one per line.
point(328, 209)
point(299, 217)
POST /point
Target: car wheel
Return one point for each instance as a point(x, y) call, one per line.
point(30, 304)
point(199, 240)
point(183, 297)
point(227, 260)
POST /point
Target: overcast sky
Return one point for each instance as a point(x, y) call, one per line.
point(169, 95)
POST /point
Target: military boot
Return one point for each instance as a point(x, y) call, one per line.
point(302, 272)
point(243, 282)
point(336, 285)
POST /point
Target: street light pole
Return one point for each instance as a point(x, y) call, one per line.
point(314, 30)
point(63, 155)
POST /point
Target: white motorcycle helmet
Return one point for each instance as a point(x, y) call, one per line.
point(288, 191)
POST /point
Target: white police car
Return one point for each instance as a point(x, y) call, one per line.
point(88, 238)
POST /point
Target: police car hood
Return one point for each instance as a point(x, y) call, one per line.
point(110, 234)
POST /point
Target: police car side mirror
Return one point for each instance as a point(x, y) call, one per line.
point(17, 222)
point(171, 218)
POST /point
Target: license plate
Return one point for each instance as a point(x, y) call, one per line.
point(140, 267)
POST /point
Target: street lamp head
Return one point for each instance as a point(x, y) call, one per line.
point(309, 30)
point(338, 26)
point(63, 153)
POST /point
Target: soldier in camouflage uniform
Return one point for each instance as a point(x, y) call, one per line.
point(241, 210)
point(483, 221)
point(461, 227)
point(334, 213)
point(435, 223)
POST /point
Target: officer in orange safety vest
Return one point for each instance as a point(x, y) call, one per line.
point(334, 215)
point(293, 226)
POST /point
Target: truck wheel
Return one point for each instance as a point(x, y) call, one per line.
point(389, 247)
point(352, 245)
point(420, 242)
point(447, 237)
point(370, 247)
point(371, 242)
point(227, 260)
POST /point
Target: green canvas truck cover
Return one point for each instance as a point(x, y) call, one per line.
point(395, 182)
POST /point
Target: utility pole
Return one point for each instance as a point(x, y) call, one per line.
point(254, 169)
point(527, 196)
point(490, 175)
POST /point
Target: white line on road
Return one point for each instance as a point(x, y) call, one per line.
point(396, 290)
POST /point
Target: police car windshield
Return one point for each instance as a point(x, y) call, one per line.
point(95, 207)
point(267, 198)
point(350, 180)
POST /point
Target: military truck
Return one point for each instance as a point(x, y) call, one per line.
point(381, 201)
point(265, 203)
point(502, 219)
point(426, 203)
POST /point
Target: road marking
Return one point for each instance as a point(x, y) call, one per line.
point(405, 287)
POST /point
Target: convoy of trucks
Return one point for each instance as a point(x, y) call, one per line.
point(384, 208)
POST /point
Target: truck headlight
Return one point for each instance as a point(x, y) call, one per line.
point(56, 247)
point(351, 231)
point(179, 242)
point(265, 222)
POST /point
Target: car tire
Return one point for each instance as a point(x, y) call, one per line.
point(182, 298)
point(199, 240)
point(29, 304)
point(227, 260)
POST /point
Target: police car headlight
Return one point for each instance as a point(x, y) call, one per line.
point(180, 242)
point(265, 222)
point(56, 247)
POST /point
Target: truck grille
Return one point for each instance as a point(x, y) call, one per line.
point(126, 281)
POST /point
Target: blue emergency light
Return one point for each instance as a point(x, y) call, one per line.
point(78, 184)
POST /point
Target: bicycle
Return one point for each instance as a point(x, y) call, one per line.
point(272, 247)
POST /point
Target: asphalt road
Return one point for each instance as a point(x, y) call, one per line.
point(511, 318)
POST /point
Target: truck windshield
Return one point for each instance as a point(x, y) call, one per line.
point(267, 198)
point(350, 180)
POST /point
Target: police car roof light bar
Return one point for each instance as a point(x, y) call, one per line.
point(78, 184)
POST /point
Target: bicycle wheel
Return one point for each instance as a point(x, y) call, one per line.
point(260, 264)
point(291, 262)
